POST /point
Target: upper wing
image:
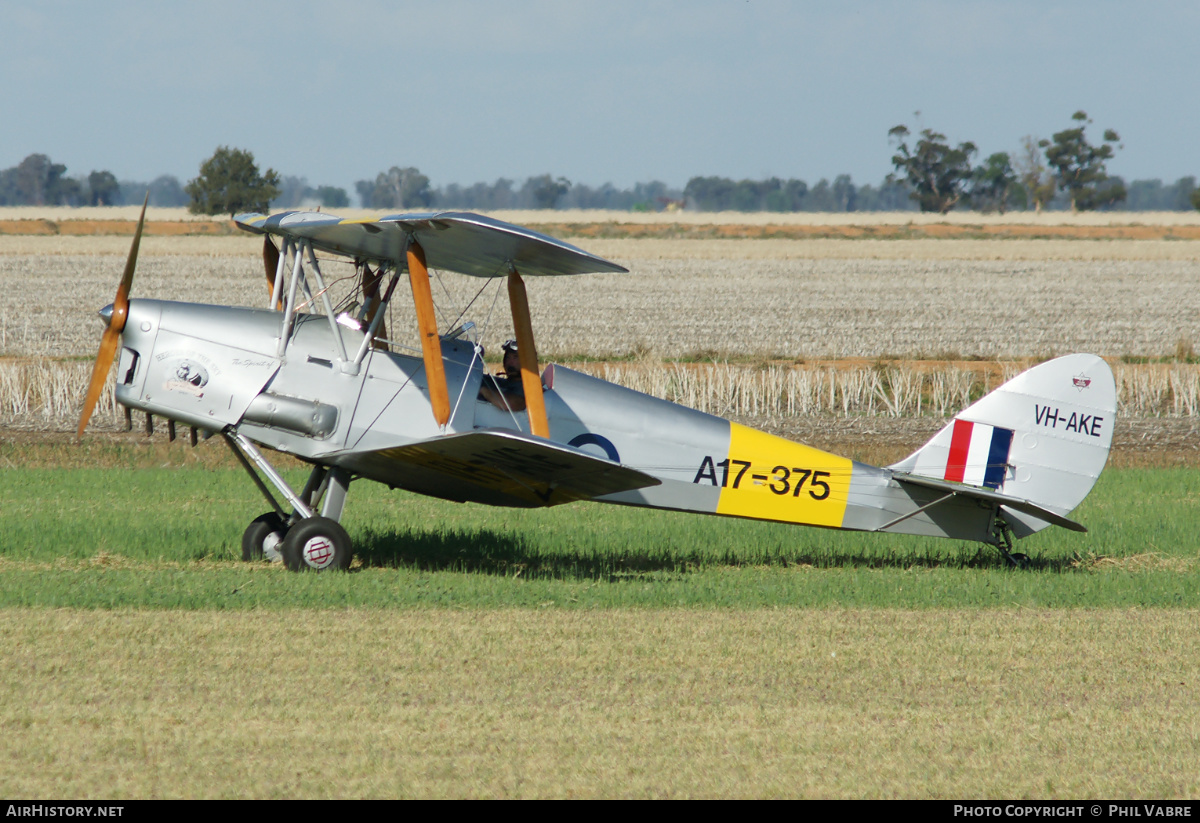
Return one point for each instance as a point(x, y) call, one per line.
point(500, 468)
point(457, 241)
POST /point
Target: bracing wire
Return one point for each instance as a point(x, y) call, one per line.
point(467, 307)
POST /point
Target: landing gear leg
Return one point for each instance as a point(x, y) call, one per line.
point(1004, 543)
point(303, 539)
point(326, 488)
point(334, 502)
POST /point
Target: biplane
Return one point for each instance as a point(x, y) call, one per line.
point(315, 376)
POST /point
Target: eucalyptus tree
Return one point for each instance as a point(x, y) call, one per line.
point(937, 173)
point(1079, 167)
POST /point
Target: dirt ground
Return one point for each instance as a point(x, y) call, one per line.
point(676, 226)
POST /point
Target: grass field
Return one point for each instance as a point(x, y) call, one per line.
point(170, 538)
point(581, 651)
point(855, 703)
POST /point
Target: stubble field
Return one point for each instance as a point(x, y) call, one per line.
point(804, 337)
point(485, 653)
point(774, 299)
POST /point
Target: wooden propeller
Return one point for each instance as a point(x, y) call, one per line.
point(116, 324)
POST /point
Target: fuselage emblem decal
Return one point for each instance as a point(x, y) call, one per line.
point(189, 377)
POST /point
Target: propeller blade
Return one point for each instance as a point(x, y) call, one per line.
point(116, 324)
point(104, 361)
point(271, 264)
point(121, 301)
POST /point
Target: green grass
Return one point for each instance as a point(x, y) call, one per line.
point(580, 651)
point(170, 538)
point(983, 703)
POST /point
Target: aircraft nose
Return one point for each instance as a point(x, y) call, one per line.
point(106, 314)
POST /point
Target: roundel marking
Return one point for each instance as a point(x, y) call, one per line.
point(590, 439)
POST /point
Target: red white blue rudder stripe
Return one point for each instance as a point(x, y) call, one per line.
point(978, 454)
point(967, 452)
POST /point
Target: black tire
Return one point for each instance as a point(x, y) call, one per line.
point(317, 544)
point(260, 529)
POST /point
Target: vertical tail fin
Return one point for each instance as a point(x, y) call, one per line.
point(1043, 436)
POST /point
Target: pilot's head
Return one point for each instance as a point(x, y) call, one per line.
point(512, 361)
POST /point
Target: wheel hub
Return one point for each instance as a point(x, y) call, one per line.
point(318, 552)
point(271, 547)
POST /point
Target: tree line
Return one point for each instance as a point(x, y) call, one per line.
point(408, 188)
point(37, 181)
point(1067, 171)
point(941, 177)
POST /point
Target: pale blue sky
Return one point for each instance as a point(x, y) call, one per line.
point(616, 92)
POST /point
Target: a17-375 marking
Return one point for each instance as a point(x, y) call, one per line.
point(792, 490)
point(780, 481)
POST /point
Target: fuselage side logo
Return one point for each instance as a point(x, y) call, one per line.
point(187, 376)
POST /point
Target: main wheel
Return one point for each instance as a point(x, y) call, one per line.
point(317, 544)
point(262, 537)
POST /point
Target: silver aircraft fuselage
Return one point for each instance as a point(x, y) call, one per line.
point(217, 368)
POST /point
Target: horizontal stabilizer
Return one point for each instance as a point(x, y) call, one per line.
point(533, 471)
point(455, 241)
point(990, 496)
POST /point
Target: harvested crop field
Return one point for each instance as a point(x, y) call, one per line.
point(773, 299)
point(907, 329)
point(61, 214)
point(877, 413)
